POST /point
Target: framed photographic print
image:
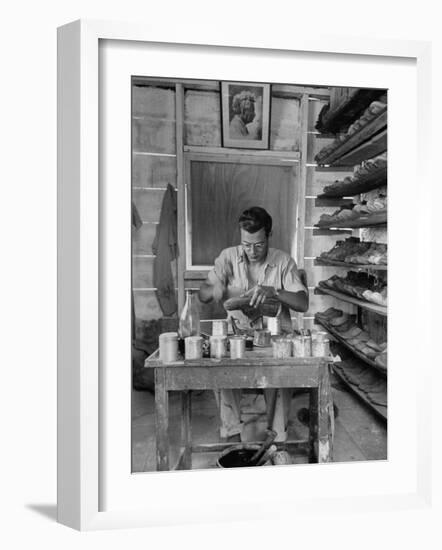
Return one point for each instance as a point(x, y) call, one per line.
point(156, 207)
point(245, 114)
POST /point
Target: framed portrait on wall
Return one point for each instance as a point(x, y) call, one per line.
point(245, 108)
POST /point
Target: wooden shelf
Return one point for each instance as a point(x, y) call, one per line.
point(365, 183)
point(354, 350)
point(381, 310)
point(366, 220)
point(344, 151)
point(347, 111)
point(371, 148)
point(377, 409)
point(336, 263)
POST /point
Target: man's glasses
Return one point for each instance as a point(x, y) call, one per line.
point(254, 246)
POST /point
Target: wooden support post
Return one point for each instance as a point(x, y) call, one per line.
point(181, 190)
point(325, 416)
point(162, 419)
point(313, 426)
point(186, 426)
point(301, 192)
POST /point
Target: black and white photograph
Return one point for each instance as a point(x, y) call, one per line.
point(259, 278)
point(245, 114)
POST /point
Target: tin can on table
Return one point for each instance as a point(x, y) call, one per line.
point(193, 347)
point(218, 347)
point(274, 325)
point(282, 348)
point(219, 327)
point(301, 346)
point(237, 347)
point(321, 347)
point(261, 338)
point(168, 347)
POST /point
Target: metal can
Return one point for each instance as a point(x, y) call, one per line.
point(307, 342)
point(261, 338)
point(193, 347)
point(237, 347)
point(274, 325)
point(168, 342)
point(282, 348)
point(218, 347)
point(219, 328)
point(301, 346)
point(321, 347)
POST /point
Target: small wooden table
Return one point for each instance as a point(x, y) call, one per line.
point(257, 369)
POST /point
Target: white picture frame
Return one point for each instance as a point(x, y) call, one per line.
point(81, 296)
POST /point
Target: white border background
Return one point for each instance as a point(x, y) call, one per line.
point(28, 297)
point(118, 61)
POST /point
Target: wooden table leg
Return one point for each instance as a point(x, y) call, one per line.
point(325, 416)
point(162, 419)
point(186, 425)
point(313, 426)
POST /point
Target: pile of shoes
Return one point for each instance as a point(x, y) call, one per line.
point(375, 205)
point(370, 113)
point(359, 285)
point(345, 327)
point(354, 251)
point(365, 380)
point(365, 169)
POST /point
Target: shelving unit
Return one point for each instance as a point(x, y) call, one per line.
point(374, 132)
point(366, 220)
point(379, 410)
point(329, 328)
point(367, 142)
point(350, 108)
point(381, 310)
point(365, 183)
point(335, 263)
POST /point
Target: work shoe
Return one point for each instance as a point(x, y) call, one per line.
point(270, 308)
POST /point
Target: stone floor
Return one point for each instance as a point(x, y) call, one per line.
point(359, 434)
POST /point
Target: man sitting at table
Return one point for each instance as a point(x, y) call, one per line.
point(261, 273)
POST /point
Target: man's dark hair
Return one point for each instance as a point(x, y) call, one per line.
point(256, 218)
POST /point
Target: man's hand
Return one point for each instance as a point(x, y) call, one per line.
point(260, 293)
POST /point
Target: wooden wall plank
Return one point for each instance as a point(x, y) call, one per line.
point(142, 272)
point(152, 171)
point(285, 124)
point(148, 203)
point(181, 196)
point(202, 118)
point(153, 135)
point(146, 305)
point(153, 102)
point(142, 239)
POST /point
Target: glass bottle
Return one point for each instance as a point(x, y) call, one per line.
point(190, 316)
